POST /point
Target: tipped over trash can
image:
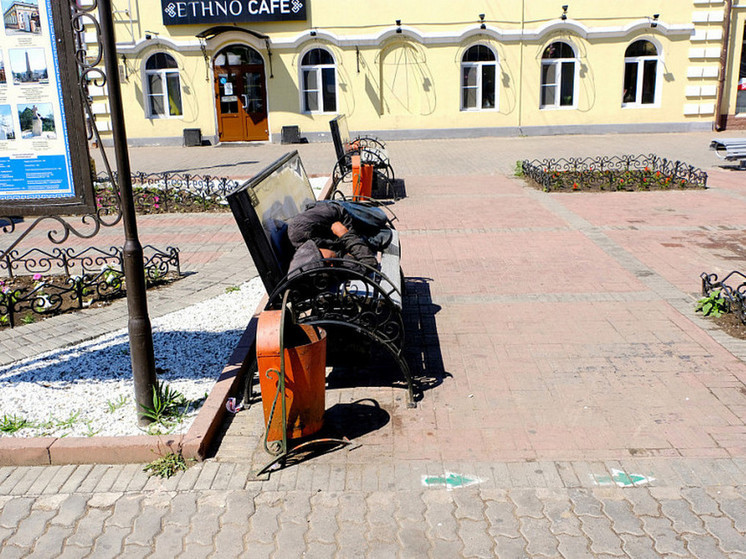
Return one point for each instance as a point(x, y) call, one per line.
point(292, 357)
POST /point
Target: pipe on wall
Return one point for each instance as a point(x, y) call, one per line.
point(721, 118)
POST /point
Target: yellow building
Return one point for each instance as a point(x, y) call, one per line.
point(241, 70)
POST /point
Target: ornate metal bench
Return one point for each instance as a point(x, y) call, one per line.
point(730, 149)
point(339, 294)
point(371, 151)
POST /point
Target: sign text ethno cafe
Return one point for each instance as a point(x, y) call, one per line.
point(180, 12)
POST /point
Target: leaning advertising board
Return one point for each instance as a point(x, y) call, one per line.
point(44, 162)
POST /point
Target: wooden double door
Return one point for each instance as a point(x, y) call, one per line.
point(240, 94)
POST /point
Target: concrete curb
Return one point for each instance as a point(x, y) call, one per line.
point(45, 451)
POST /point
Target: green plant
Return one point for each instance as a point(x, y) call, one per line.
point(518, 168)
point(111, 275)
point(169, 405)
point(46, 426)
point(152, 275)
point(12, 423)
point(232, 289)
point(114, 405)
point(71, 420)
point(28, 319)
point(166, 466)
point(90, 431)
point(713, 304)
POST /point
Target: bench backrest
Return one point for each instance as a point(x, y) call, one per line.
point(340, 135)
point(272, 197)
point(728, 143)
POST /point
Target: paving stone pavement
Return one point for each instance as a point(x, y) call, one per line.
point(127, 514)
point(650, 463)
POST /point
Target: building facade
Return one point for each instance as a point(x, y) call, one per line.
point(23, 16)
point(241, 70)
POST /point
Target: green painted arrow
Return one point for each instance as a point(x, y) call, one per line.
point(622, 479)
point(450, 480)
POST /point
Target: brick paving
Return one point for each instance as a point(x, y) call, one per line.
point(569, 379)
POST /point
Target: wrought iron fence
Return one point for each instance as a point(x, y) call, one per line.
point(99, 277)
point(626, 172)
point(732, 289)
point(169, 192)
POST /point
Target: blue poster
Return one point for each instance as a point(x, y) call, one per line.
point(34, 148)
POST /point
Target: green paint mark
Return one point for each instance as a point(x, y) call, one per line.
point(450, 481)
point(622, 479)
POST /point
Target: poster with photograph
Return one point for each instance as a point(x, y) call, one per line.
point(35, 151)
point(28, 66)
point(21, 17)
point(7, 131)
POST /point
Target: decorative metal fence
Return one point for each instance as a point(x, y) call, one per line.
point(732, 289)
point(626, 172)
point(79, 279)
point(169, 192)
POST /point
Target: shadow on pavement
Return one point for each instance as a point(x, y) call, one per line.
point(422, 347)
point(358, 363)
point(215, 166)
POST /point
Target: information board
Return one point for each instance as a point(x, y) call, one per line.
point(44, 162)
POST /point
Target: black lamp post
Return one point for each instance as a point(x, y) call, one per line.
point(140, 333)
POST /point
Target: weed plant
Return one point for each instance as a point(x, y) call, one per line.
point(166, 466)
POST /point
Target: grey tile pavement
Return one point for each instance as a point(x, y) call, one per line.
point(231, 515)
point(368, 502)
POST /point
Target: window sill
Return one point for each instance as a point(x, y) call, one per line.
point(641, 106)
point(165, 117)
point(557, 108)
point(492, 110)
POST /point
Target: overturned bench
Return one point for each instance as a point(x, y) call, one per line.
point(336, 293)
point(730, 149)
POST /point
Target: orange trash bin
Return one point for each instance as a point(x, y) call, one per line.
point(362, 179)
point(305, 376)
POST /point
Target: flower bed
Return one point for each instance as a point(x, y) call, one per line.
point(724, 300)
point(169, 192)
point(625, 173)
point(39, 294)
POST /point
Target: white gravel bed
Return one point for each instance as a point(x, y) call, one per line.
point(77, 391)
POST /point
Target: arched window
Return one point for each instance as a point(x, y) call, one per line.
point(558, 68)
point(318, 82)
point(478, 79)
point(238, 55)
point(640, 73)
point(163, 86)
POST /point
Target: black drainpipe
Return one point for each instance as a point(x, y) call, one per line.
point(719, 117)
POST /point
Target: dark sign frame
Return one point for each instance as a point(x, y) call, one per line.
point(83, 201)
point(190, 12)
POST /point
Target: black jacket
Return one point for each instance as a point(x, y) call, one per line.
point(315, 224)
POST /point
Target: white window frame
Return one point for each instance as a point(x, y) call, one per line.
point(558, 62)
point(318, 70)
point(640, 61)
point(479, 65)
point(164, 74)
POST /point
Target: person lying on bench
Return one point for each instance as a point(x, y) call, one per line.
point(326, 230)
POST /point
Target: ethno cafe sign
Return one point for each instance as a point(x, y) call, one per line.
point(180, 12)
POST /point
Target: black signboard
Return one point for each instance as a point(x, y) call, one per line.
point(181, 12)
